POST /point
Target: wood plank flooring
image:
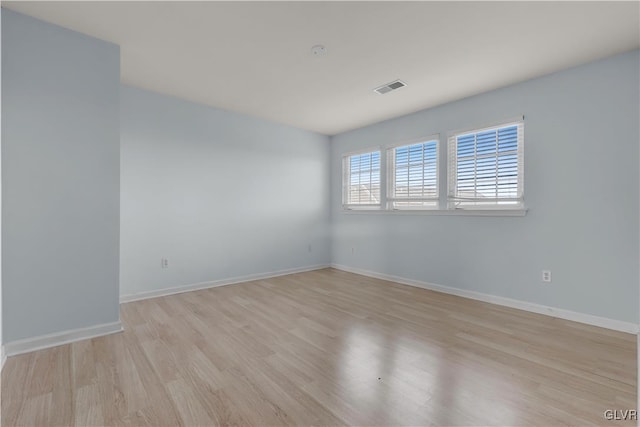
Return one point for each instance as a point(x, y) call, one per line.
point(325, 348)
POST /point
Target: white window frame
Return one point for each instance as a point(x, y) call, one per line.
point(391, 177)
point(446, 156)
point(346, 179)
point(454, 202)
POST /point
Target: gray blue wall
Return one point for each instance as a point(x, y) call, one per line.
point(581, 187)
point(60, 178)
point(219, 194)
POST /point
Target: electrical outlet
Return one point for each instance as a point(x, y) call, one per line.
point(546, 276)
point(353, 251)
point(164, 263)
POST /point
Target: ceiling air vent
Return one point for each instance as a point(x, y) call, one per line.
point(389, 87)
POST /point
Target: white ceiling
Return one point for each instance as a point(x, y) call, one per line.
point(254, 57)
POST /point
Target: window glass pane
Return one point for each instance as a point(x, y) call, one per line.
point(415, 176)
point(363, 180)
point(508, 139)
point(486, 143)
point(485, 170)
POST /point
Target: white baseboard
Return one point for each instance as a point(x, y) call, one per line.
point(589, 319)
point(216, 283)
point(55, 339)
point(3, 357)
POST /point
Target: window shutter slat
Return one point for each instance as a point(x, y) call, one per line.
point(413, 176)
point(361, 179)
point(486, 167)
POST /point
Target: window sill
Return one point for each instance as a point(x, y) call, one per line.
point(443, 212)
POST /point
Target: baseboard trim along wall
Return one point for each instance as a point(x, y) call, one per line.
point(59, 338)
point(214, 284)
point(603, 322)
point(55, 339)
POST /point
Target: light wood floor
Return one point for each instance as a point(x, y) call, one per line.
point(326, 348)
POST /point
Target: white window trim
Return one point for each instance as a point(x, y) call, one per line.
point(479, 127)
point(346, 176)
point(390, 179)
point(443, 207)
point(442, 212)
point(518, 205)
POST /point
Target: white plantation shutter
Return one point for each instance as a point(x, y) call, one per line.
point(413, 175)
point(361, 180)
point(486, 167)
